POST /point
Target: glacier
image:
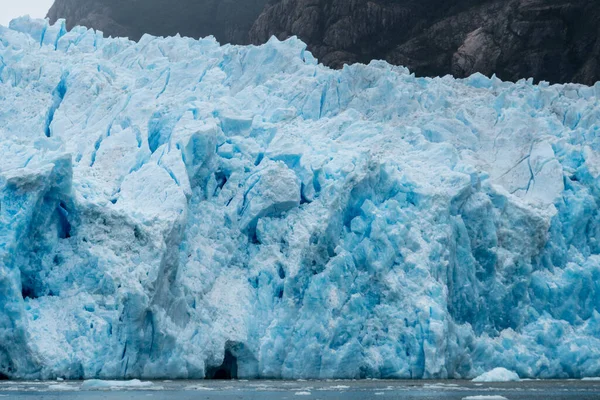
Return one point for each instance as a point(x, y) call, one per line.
point(174, 208)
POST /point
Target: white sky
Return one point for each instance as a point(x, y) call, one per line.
point(10, 9)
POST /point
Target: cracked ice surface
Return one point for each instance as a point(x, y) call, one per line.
point(166, 200)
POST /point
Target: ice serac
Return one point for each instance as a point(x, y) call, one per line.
point(498, 375)
point(176, 208)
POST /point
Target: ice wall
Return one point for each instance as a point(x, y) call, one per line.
point(176, 208)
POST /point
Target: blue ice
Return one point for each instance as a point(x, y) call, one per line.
point(169, 204)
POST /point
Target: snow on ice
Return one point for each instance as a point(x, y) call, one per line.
point(498, 375)
point(175, 208)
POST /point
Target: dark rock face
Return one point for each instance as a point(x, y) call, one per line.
point(228, 20)
point(90, 13)
point(552, 40)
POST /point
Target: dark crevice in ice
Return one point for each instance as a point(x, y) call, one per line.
point(64, 228)
point(227, 370)
point(58, 96)
point(27, 292)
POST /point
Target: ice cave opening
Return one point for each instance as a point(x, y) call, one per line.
point(228, 369)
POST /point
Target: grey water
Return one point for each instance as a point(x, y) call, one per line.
point(324, 390)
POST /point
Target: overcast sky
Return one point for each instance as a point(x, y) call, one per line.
point(10, 9)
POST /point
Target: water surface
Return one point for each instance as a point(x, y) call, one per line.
point(293, 390)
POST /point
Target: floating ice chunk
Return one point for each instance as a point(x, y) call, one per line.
point(102, 384)
point(498, 375)
point(61, 387)
point(445, 386)
point(491, 397)
point(198, 387)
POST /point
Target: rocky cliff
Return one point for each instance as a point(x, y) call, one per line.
point(228, 20)
point(552, 40)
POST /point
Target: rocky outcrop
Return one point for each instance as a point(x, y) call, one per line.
point(90, 13)
point(228, 20)
point(552, 40)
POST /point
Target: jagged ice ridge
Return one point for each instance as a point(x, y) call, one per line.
point(173, 206)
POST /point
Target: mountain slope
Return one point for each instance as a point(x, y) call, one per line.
point(227, 20)
point(552, 40)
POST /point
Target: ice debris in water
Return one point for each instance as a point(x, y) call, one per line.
point(490, 397)
point(498, 375)
point(174, 208)
point(102, 384)
point(62, 387)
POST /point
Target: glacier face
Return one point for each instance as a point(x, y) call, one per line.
point(172, 203)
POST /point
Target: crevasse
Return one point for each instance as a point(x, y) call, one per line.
point(176, 208)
